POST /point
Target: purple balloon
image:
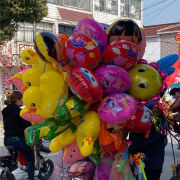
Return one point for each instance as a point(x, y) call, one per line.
point(155, 65)
point(142, 61)
point(117, 108)
point(163, 74)
point(156, 98)
point(93, 29)
point(113, 79)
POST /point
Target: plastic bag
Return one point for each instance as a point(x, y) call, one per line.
point(126, 174)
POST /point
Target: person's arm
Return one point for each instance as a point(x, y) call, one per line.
point(175, 105)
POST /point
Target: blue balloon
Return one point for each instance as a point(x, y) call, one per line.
point(167, 61)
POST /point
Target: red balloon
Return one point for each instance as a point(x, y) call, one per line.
point(82, 50)
point(84, 85)
point(122, 53)
point(140, 122)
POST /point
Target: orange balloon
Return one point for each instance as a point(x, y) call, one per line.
point(61, 50)
point(111, 142)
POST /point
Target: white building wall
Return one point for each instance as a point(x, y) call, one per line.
point(106, 18)
point(152, 51)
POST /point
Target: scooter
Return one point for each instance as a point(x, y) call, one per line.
point(10, 164)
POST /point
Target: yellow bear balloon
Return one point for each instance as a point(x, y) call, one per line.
point(146, 81)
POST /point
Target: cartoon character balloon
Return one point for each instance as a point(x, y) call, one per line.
point(122, 53)
point(82, 50)
point(84, 85)
point(146, 81)
point(117, 108)
point(113, 79)
point(94, 30)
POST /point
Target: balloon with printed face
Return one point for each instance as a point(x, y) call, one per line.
point(113, 79)
point(121, 53)
point(117, 108)
point(82, 50)
point(146, 82)
point(85, 85)
point(94, 30)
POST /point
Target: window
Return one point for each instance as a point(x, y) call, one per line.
point(131, 9)
point(26, 30)
point(109, 6)
point(62, 29)
point(79, 4)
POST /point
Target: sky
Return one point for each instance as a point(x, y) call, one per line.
point(160, 12)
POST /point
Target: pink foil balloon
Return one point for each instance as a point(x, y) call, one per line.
point(117, 108)
point(113, 79)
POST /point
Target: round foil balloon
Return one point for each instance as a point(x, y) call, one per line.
point(117, 108)
point(93, 29)
point(146, 82)
point(113, 79)
point(61, 51)
point(140, 122)
point(84, 85)
point(122, 53)
point(82, 50)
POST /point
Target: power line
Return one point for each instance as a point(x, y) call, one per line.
point(151, 6)
point(162, 9)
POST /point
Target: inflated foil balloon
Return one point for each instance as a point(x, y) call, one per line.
point(47, 46)
point(82, 170)
point(113, 79)
point(31, 78)
point(111, 140)
point(122, 53)
point(82, 50)
point(146, 81)
point(72, 153)
point(84, 85)
point(63, 38)
point(140, 122)
point(117, 108)
point(94, 30)
point(74, 107)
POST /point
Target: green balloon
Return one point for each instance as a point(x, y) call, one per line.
point(72, 108)
point(32, 133)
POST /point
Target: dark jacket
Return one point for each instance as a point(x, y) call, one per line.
point(14, 125)
point(153, 147)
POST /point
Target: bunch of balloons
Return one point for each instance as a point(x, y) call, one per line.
point(86, 91)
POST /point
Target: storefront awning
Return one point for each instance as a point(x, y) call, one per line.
point(74, 16)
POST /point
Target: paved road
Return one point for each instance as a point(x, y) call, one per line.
point(166, 175)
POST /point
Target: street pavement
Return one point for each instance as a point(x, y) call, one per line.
point(166, 175)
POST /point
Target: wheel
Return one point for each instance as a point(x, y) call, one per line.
point(46, 170)
point(5, 175)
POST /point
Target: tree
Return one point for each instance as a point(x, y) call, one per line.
point(13, 12)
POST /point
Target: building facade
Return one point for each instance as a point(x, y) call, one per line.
point(160, 41)
point(62, 17)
